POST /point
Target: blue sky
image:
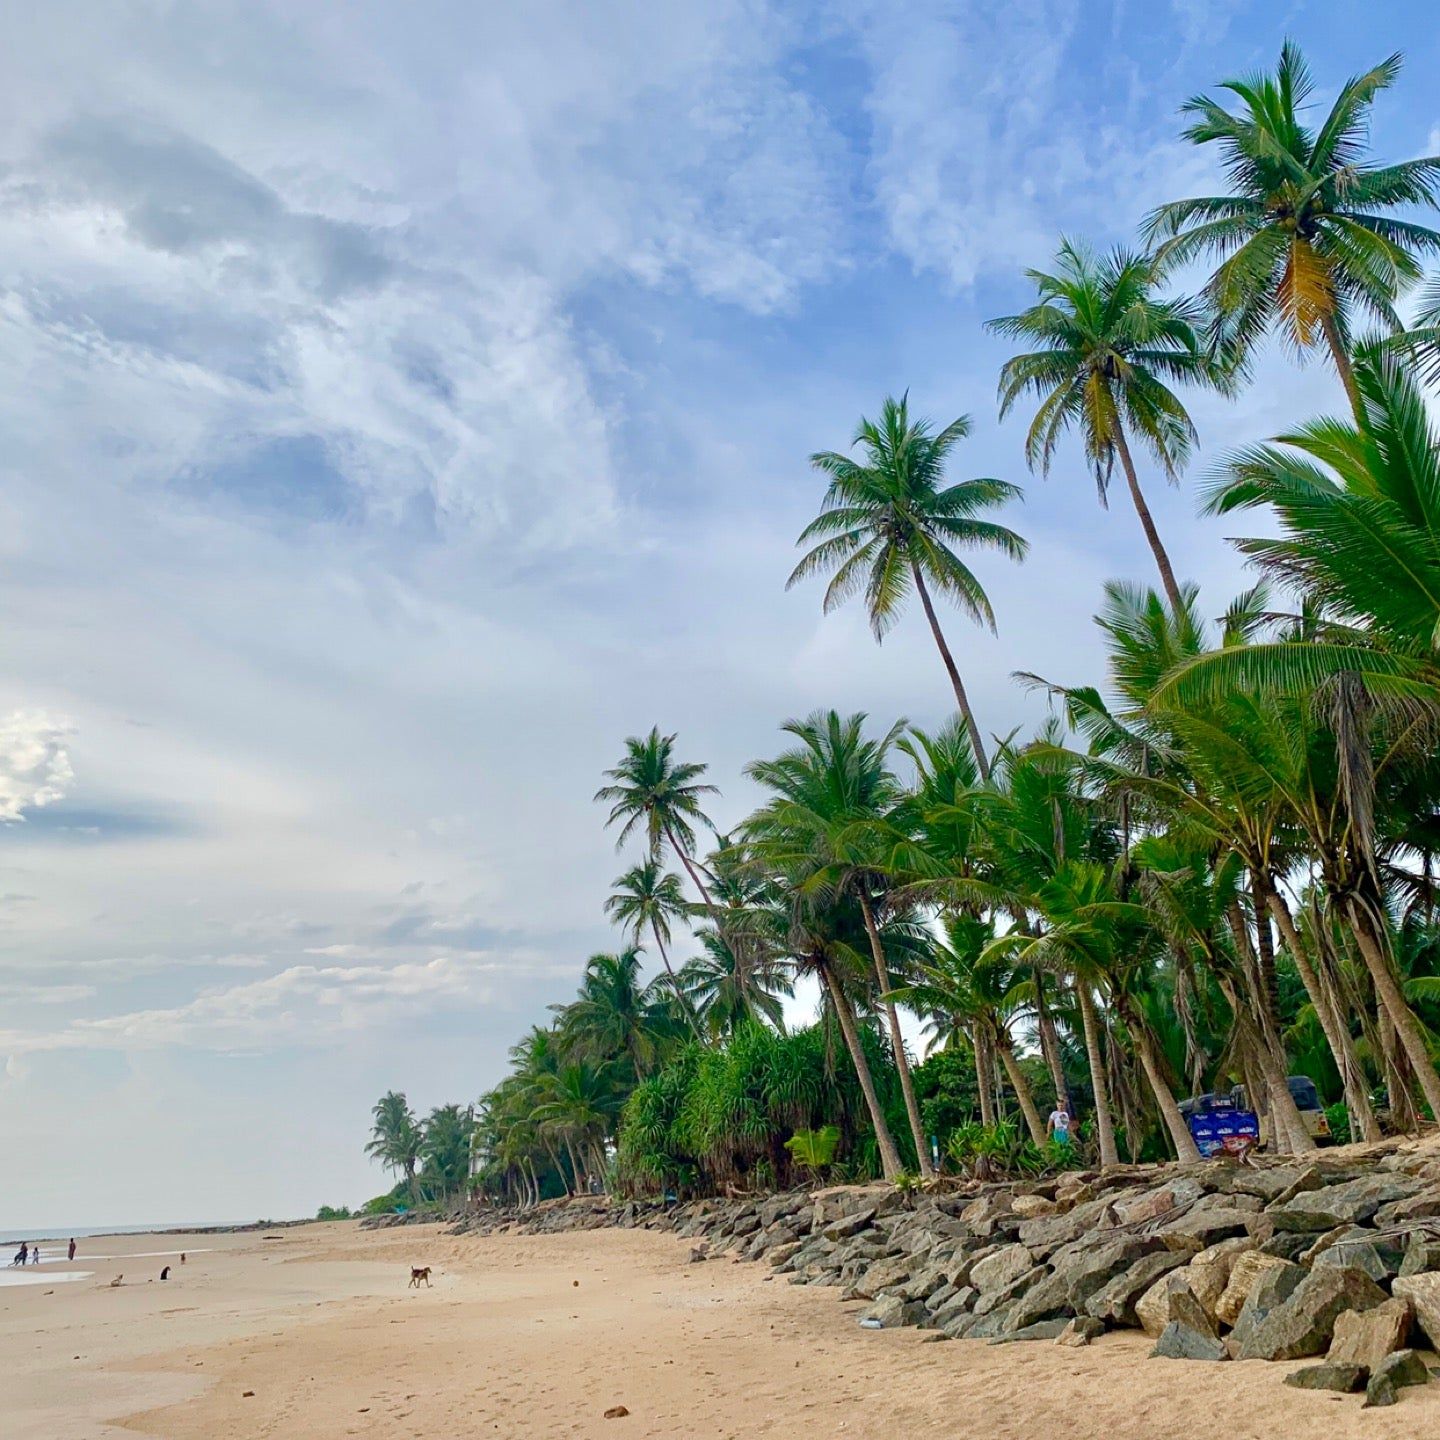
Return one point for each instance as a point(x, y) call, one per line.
point(404, 404)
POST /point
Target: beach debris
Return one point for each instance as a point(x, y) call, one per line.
point(246, 1394)
point(115, 1283)
point(616, 1412)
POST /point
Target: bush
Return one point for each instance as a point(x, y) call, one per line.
point(333, 1212)
point(1339, 1120)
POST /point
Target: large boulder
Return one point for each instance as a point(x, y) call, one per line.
point(1423, 1206)
point(1350, 1203)
point(1421, 1254)
point(1366, 1337)
point(890, 1311)
point(1114, 1302)
point(1423, 1292)
point(1031, 1207)
point(849, 1225)
point(996, 1271)
point(1209, 1226)
point(1189, 1334)
point(1152, 1204)
point(1245, 1274)
point(1084, 1270)
point(1379, 1255)
point(1402, 1368)
point(1302, 1325)
point(1276, 1284)
point(1049, 1232)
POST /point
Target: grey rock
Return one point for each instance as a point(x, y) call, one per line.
point(1422, 1254)
point(1114, 1302)
point(1080, 1331)
point(1039, 1330)
point(1347, 1379)
point(1207, 1226)
point(1302, 1325)
point(1423, 1292)
point(1366, 1337)
point(1424, 1206)
point(1379, 1256)
point(997, 1271)
point(891, 1311)
point(1084, 1271)
point(1351, 1203)
point(1288, 1244)
point(1397, 1371)
point(848, 1225)
point(1179, 1341)
point(1274, 1287)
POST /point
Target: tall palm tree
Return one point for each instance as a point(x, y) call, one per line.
point(1304, 239)
point(396, 1137)
point(445, 1150)
point(831, 801)
point(649, 897)
point(726, 994)
point(651, 789)
point(1107, 348)
point(616, 1016)
point(889, 522)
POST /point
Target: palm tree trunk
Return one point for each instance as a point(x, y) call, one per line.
point(1265, 953)
point(1332, 1022)
point(890, 1165)
point(1147, 523)
point(902, 1061)
point(961, 698)
point(680, 999)
point(579, 1178)
point(1050, 1044)
point(1185, 1147)
point(1104, 1126)
point(1389, 994)
point(694, 874)
point(1021, 1086)
point(980, 1048)
point(1342, 363)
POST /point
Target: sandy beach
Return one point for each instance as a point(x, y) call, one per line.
point(539, 1336)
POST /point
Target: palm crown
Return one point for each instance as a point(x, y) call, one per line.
point(1303, 239)
point(889, 524)
point(1108, 345)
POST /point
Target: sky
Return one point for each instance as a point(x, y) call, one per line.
point(401, 405)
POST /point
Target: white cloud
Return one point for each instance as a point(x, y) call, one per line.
point(34, 762)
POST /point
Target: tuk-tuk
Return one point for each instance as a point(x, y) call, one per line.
point(1307, 1102)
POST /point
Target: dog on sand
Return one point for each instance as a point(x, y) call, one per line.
point(417, 1274)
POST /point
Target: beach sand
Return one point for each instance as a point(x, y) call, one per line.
point(539, 1336)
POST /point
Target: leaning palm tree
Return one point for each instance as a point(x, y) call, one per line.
point(649, 897)
point(396, 1137)
point(889, 523)
point(650, 788)
point(1304, 239)
point(727, 994)
point(1108, 347)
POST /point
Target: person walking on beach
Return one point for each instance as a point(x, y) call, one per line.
point(71, 1255)
point(21, 1254)
point(1058, 1126)
point(35, 1253)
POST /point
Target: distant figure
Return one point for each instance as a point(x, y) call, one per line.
point(165, 1273)
point(35, 1253)
point(22, 1254)
point(417, 1274)
point(115, 1283)
point(1058, 1126)
point(182, 1257)
point(71, 1255)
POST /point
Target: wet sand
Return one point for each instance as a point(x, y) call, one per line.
point(539, 1336)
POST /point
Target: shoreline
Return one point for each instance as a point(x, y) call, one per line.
point(536, 1336)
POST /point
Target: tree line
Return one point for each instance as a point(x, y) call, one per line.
point(1214, 867)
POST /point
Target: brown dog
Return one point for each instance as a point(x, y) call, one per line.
point(417, 1274)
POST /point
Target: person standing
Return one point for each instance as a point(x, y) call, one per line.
point(71, 1255)
point(1058, 1125)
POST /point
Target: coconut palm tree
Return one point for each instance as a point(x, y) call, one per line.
point(645, 897)
point(445, 1151)
point(616, 1016)
point(1307, 238)
point(832, 801)
point(726, 994)
point(1108, 345)
point(651, 789)
point(889, 523)
point(396, 1137)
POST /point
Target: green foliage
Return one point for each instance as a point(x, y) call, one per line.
point(334, 1212)
point(815, 1149)
point(1338, 1118)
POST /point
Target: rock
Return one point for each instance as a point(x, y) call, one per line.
point(1030, 1207)
point(1423, 1292)
point(997, 1271)
point(1288, 1244)
point(1302, 1325)
point(781, 1253)
point(1424, 1206)
point(1379, 1256)
point(1244, 1275)
point(1152, 1204)
point(1085, 1269)
point(890, 1312)
point(698, 1253)
point(1114, 1302)
point(1396, 1371)
point(1275, 1182)
point(1366, 1337)
point(1207, 1226)
point(1350, 1203)
point(849, 1225)
point(962, 1302)
point(1080, 1331)
point(1347, 1379)
point(1036, 1296)
point(1049, 1232)
point(1421, 1254)
point(1189, 1334)
point(616, 1412)
point(1275, 1286)
point(1038, 1330)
